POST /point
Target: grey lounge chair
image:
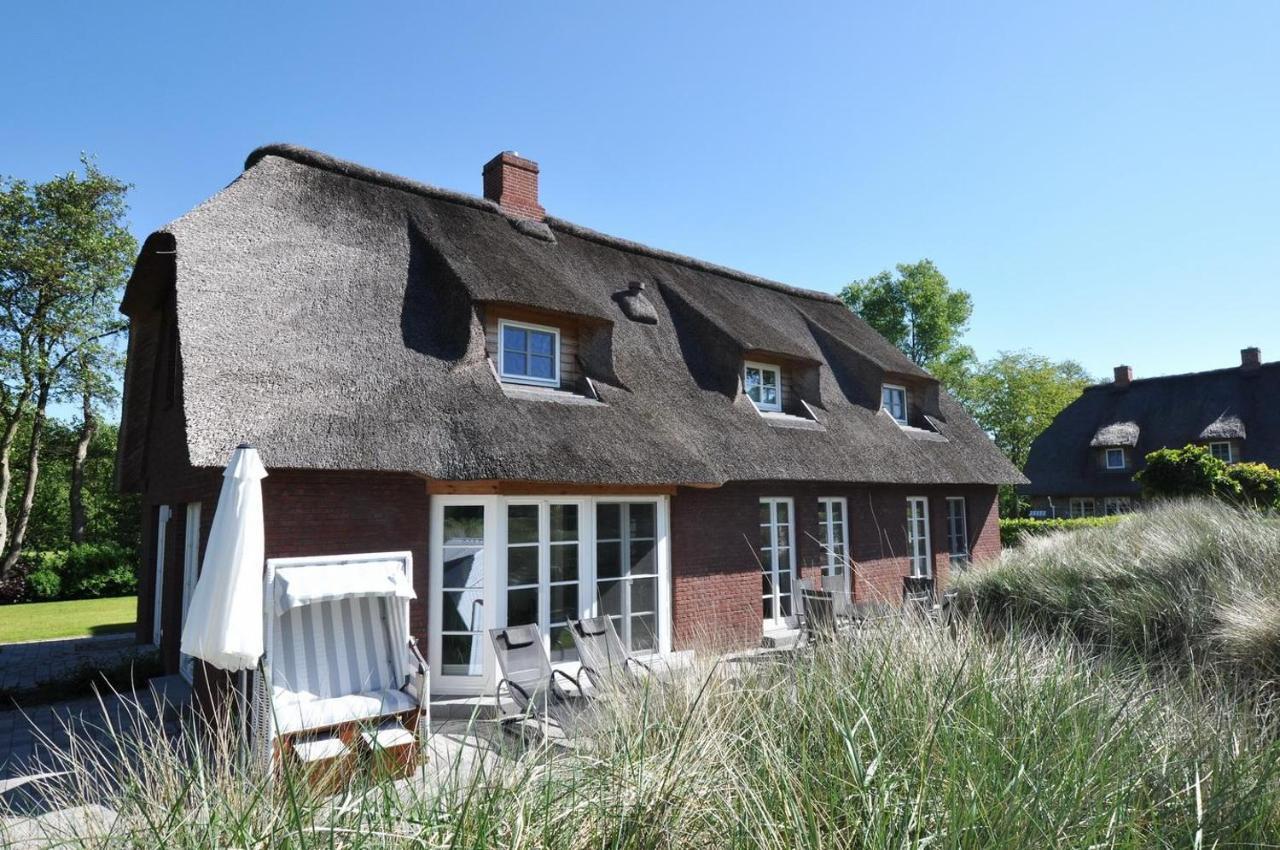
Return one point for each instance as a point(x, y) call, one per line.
point(840, 603)
point(530, 680)
point(819, 622)
point(605, 661)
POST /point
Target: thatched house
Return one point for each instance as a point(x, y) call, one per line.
point(1084, 462)
point(552, 420)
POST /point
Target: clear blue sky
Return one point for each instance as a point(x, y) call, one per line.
point(1104, 179)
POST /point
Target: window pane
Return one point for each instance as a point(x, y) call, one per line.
point(608, 560)
point(769, 378)
point(564, 562)
point(541, 367)
point(522, 565)
point(564, 522)
point(463, 611)
point(562, 648)
point(522, 524)
point(609, 593)
point(514, 363)
point(642, 519)
point(522, 607)
point(463, 568)
point(765, 515)
point(784, 513)
point(644, 633)
point(564, 602)
point(770, 396)
point(644, 595)
point(608, 522)
point(766, 584)
point(514, 339)
point(460, 655)
point(463, 524)
point(541, 342)
point(642, 557)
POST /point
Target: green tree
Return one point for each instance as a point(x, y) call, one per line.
point(917, 310)
point(64, 254)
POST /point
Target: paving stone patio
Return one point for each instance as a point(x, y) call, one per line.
point(24, 666)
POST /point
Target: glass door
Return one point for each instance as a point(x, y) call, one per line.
point(627, 580)
point(777, 561)
point(542, 570)
point(918, 537)
point(459, 612)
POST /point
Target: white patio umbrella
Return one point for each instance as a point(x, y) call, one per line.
point(224, 620)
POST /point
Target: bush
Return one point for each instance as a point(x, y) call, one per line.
point(43, 585)
point(1258, 483)
point(1015, 531)
point(93, 570)
point(1186, 472)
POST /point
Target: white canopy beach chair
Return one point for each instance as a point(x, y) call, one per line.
point(339, 659)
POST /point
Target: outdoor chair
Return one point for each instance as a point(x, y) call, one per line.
point(819, 621)
point(339, 661)
point(605, 661)
point(532, 684)
point(841, 605)
point(917, 593)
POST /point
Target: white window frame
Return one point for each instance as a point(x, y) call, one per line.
point(1081, 501)
point(1122, 504)
point(1124, 461)
point(906, 410)
point(914, 562)
point(830, 564)
point(190, 573)
point(494, 592)
point(1231, 450)
point(163, 513)
point(776, 407)
point(775, 567)
point(554, 380)
point(958, 558)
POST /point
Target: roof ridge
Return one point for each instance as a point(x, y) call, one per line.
point(1222, 370)
point(347, 168)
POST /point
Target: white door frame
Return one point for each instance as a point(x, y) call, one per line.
point(923, 501)
point(157, 615)
point(190, 572)
point(495, 574)
point(774, 567)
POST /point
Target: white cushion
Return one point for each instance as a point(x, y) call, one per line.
point(387, 737)
point(295, 712)
point(319, 749)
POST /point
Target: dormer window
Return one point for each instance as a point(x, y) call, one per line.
point(529, 354)
point(1115, 459)
point(1223, 451)
point(893, 399)
point(763, 385)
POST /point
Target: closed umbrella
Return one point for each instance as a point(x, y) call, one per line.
point(224, 620)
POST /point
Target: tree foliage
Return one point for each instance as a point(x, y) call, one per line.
point(64, 254)
point(917, 310)
point(1015, 395)
point(1193, 471)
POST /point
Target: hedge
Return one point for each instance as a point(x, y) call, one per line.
point(1012, 531)
point(87, 571)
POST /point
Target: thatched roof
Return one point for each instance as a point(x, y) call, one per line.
point(326, 312)
point(1152, 413)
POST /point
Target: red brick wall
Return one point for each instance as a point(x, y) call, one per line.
point(714, 534)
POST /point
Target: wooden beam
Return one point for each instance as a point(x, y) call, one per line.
point(491, 487)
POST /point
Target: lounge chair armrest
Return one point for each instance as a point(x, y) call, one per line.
point(633, 660)
point(592, 676)
point(515, 688)
point(567, 678)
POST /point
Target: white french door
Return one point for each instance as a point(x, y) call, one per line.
point(190, 572)
point(833, 534)
point(499, 561)
point(919, 552)
point(777, 561)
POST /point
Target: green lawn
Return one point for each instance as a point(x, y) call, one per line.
point(41, 620)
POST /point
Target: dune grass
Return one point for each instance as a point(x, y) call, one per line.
point(907, 737)
point(73, 618)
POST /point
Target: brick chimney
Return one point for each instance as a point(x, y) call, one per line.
point(1123, 376)
point(1250, 358)
point(511, 181)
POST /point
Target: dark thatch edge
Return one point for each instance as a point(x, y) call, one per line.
point(315, 159)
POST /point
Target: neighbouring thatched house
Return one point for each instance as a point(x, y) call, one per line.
point(553, 421)
point(1084, 462)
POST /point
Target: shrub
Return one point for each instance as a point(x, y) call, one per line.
point(93, 570)
point(1186, 472)
point(1015, 531)
point(43, 585)
point(1258, 483)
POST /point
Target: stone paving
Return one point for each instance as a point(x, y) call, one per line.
point(24, 666)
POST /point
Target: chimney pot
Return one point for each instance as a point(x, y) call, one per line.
point(1250, 358)
point(511, 181)
point(1123, 376)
